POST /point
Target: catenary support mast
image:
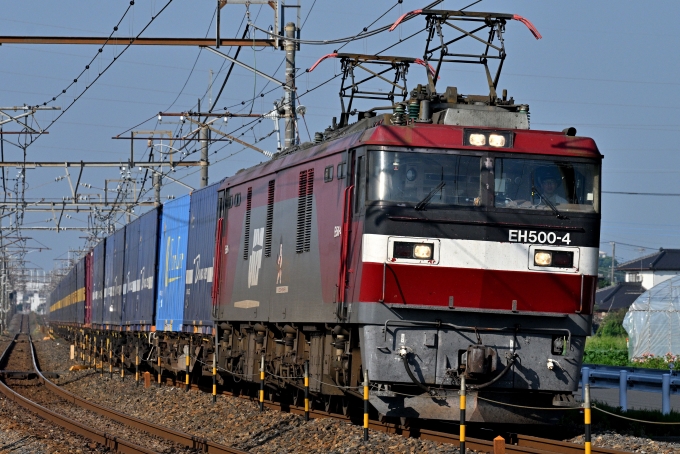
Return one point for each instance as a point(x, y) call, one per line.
point(289, 95)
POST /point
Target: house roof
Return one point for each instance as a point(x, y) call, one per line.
point(664, 259)
point(617, 296)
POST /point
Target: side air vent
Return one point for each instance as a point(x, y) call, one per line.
point(270, 221)
point(308, 208)
point(304, 212)
point(246, 242)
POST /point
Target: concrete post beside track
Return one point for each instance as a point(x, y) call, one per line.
point(137, 364)
point(262, 383)
point(101, 357)
point(306, 390)
point(108, 356)
point(186, 372)
point(463, 398)
point(499, 445)
point(366, 398)
point(214, 379)
point(586, 417)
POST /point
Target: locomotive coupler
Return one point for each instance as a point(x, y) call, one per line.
point(479, 361)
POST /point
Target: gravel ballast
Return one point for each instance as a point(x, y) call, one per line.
point(232, 421)
point(238, 423)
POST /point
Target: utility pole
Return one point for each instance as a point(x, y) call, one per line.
point(289, 95)
point(611, 275)
point(157, 182)
point(204, 137)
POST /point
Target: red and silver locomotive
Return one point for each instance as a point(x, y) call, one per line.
point(440, 240)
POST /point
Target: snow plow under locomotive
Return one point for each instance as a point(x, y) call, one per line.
point(440, 240)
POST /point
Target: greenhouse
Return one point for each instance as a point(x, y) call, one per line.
point(653, 322)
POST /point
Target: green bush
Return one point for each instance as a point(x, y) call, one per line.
point(612, 325)
point(613, 351)
point(606, 357)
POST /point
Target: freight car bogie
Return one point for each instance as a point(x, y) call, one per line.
point(174, 354)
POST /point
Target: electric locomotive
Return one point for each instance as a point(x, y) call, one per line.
point(438, 240)
point(442, 239)
point(421, 251)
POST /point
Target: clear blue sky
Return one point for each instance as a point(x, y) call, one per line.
point(609, 68)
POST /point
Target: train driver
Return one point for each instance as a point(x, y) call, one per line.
point(549, 181)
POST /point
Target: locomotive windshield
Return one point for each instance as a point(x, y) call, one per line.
point(537, 184)
point(412, 177)
point(442, 180)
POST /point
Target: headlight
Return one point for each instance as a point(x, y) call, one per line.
point(496, 140)
point(555, 259)
point(478, 140)
point(408, 250)
point(542, 258)
point(422, 251)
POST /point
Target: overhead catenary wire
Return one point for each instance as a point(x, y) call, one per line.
point(365, 33)
point(101, 49)
point(87, 87)
point(627, 244)
point(661, 194)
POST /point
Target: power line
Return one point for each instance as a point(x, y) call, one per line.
point(87, 87)
point(662, 194)
point(627, 244)
point(101, 49)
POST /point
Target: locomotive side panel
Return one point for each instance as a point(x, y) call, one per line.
point(293, 224)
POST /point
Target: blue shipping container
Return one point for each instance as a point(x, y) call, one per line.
point(172, 264)
point(113, 278)
point(141, 246)
point(130, 272)
point(98, 262)
point(200, 256)
point(80, 292)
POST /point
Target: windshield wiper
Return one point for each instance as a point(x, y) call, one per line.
point(423, 203)
point(549, 203)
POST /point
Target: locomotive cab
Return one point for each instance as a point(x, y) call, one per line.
point(478, 257)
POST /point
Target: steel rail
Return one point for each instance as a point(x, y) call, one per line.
point(521, 443)
point(524, 443)
point(199, 443)
point(103, 438)
point(562, 447)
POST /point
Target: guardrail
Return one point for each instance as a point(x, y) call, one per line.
point(624, 378)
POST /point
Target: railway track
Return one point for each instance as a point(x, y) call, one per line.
point(18, 363)
point(517, 444)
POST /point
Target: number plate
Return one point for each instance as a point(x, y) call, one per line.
point(538, 237)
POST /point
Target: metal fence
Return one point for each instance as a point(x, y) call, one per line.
point(625, 378)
